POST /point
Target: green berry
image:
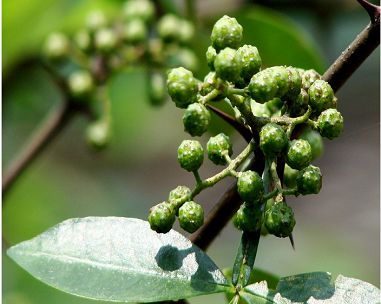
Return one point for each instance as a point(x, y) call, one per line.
point(308, 78)
point(250, 186)
point(196, 119)
point(191, 216)
point(186, 31)
point(321, 96)
point(295, 83)
point(57, 46)
point(228, 64)
point(217, 147)
point(289, 177)
point(98, 135)
point(182, 87)
point(227, 32)
point(80, 84)
point(211, 54)
point(161, 217)
point(105, 40)
point(249, 218)
point(330, 123)
point(316, 142)
point(168, 28)
point(142, 9)
point(251, 60)
point(83, 40)
point(183, 57)
point(280, 220)
point(298, 106)
point(273, 139)
point(298, 155)
point(135, 31)
point(179, 192)
point(309, 180)
point(268, 84)
point(95, 20)
point(190, 155)
point(157, 92)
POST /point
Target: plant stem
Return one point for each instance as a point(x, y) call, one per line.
point(355, 54)
point(55, 122)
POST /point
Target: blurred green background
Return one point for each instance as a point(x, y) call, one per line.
point(337, 230)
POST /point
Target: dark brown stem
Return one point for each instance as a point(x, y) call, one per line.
point(355, 54)
point(48, 130)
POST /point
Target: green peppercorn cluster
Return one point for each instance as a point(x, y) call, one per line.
point(274, 104)
point(85, 61)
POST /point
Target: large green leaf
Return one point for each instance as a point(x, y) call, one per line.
point(119, 259)
point(313, 288)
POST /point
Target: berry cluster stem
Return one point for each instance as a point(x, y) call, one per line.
point(230, 170)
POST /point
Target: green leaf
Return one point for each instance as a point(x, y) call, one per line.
point(257, 275)
point(244, 261)
point(313, 288)
point(119, 259)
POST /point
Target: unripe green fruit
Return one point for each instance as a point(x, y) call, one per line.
point(80, 84)
point(211, 55)
point(330, 123)
point(168, 28)
point(251, 60)
point(227, 32)
point(272, 139)
point(308, 78)
point(298, 155)
point(183, 57)
point(250, 186)
point(217, 146)
point(57, 46)
point(95, 20)
point(289, 177)
point(321, 96)
point(316, 142)
point(182, 87)
point(298, 106)
point(280, 220)
point(309, 180)
point(105, 40)
point(249, 218)
point(196, 119)
point(295, 83)
point(186, 31)
point(142, 9)
point(83, 40)
point(179, 192)
point(190, 155)
point(157, 92)
point(135, 31)
point(268, 84)
point(191, 216)
point(228, 64)
point(161, 217)
point(98, 135)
